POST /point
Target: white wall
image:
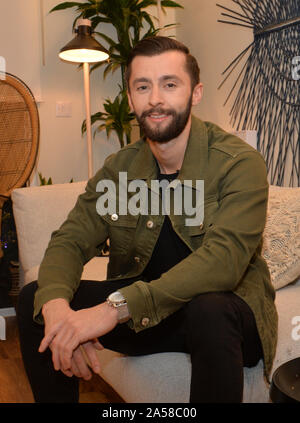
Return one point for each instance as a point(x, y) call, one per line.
point(214, 45)
point(21, 47)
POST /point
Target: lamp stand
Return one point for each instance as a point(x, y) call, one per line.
point(86, 73)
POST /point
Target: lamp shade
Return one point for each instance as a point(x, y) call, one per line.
point(84, 48)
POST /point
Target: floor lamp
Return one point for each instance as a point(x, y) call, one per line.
point(85, 49)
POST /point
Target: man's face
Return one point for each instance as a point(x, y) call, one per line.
point(161, 95)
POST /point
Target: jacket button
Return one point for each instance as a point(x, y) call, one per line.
point(150, 224)
point(145, 321)
point(137, 259)
point(114, 217)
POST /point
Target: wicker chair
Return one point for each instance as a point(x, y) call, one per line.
point(19, 135)
point(19, 140)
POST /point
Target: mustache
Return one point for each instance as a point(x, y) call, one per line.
point(157, 110)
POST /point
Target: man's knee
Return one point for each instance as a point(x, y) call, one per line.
point(210, 305)
point(212, 323)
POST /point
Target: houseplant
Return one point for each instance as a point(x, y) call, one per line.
point(132, 23)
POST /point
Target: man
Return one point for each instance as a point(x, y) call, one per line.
point(173, 284)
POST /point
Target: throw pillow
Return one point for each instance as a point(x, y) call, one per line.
point(281, 238)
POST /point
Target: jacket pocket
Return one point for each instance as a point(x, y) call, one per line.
point(121, 230)
point(116, 220)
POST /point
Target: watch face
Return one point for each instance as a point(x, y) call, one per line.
point(116, 297)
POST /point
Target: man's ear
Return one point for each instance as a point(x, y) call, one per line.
point(197, 94)
point(129, 101)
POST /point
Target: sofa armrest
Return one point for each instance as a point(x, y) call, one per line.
point(38, 211)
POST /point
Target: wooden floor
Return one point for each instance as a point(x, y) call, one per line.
point(14, 387)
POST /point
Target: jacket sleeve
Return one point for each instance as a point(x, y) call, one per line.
point(78, 240)
point(230, 241)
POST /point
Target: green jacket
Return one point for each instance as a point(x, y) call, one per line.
point(225, 246)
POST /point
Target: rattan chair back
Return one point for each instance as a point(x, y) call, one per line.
point(19, 135)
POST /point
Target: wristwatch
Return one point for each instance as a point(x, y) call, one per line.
point(117, 300)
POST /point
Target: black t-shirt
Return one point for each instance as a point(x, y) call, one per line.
point(169, 249)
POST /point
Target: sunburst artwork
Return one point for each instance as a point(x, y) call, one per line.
point(265, 94)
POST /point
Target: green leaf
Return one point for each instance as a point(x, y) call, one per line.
point(94, 118)
point(43, 180)
point(145, 3)
point(111, 67)
point(96, 20)
point(100, 128)
point(109, 40)
point(170, 3)
point(96, 66)
point(65, 5)
point(83, 127)
point(148, 20)
point(107, 107)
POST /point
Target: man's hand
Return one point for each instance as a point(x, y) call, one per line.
point(55, 312)
point(79, 365)
point(75, 328)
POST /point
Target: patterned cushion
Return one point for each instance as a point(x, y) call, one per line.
point(281, 240)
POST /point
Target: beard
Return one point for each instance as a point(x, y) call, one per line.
point(172, 130)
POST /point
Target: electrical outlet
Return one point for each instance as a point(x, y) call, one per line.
point(63, 109)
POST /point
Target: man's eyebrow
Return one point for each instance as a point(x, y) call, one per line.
point(142, 79)
point(162, 78)
point(166, 77)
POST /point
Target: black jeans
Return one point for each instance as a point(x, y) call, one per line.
point(217, 329)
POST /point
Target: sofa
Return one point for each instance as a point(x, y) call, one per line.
point(165, 377)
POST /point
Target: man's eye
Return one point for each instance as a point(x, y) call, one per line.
point(142, 88)
point(170, 85)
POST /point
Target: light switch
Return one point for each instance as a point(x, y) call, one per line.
point(63, 109)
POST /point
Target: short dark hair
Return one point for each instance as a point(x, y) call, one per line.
point(153, 46)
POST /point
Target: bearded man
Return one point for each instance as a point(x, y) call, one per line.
point(171, 286)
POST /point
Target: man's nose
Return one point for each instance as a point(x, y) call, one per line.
point(155, 97)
